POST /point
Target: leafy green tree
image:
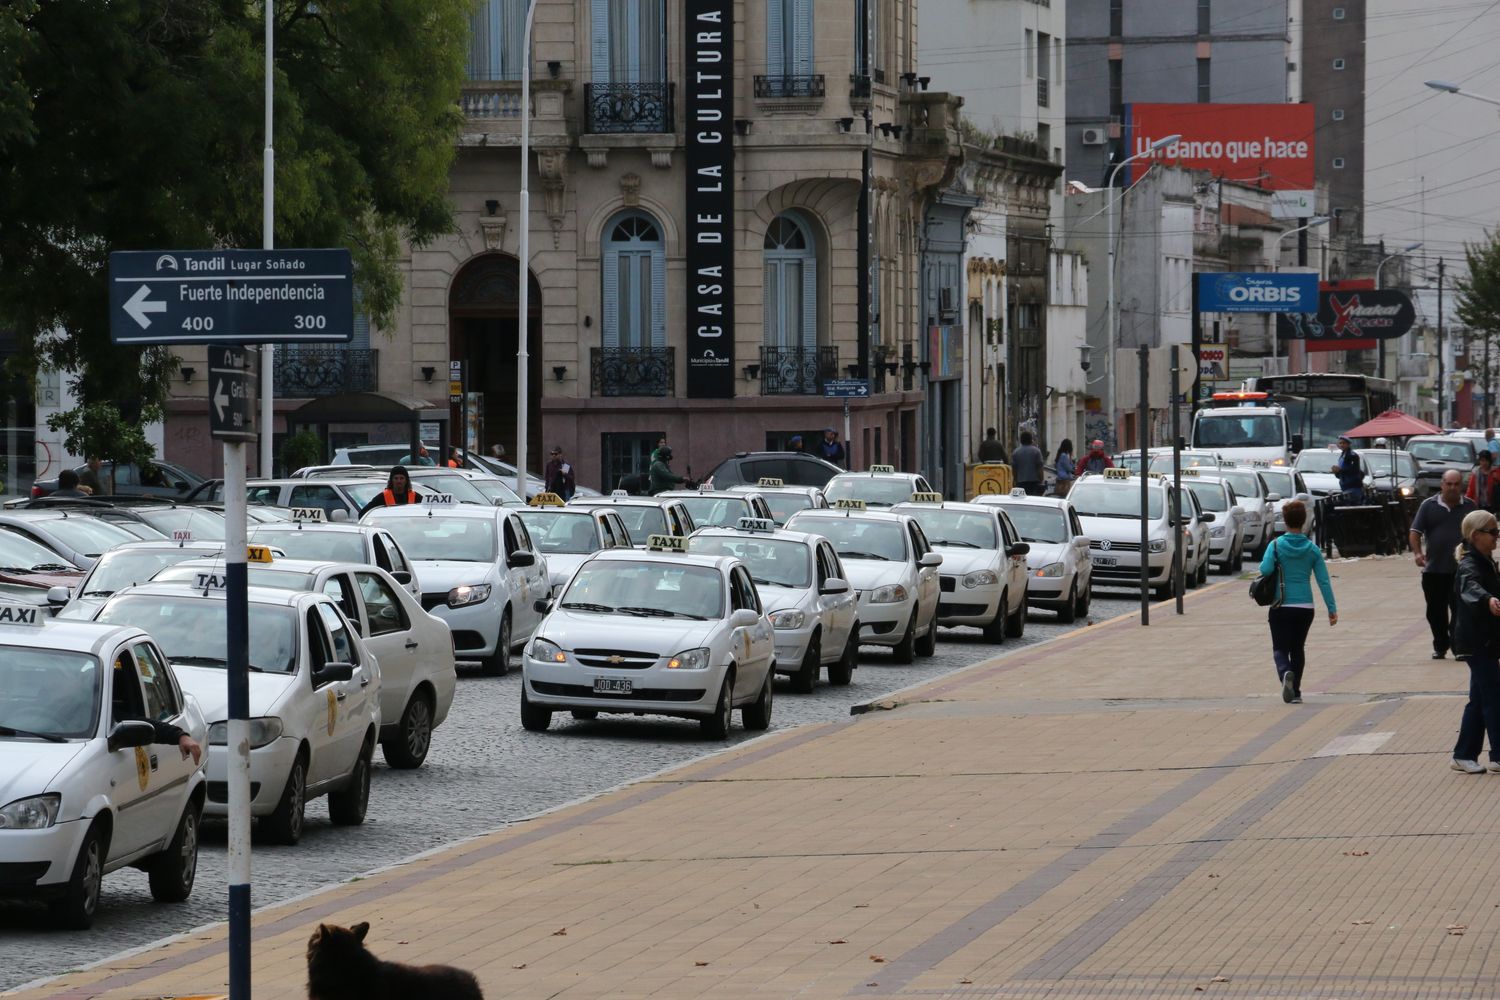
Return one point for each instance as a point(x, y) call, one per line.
point(1479, 310)
point(138, 124)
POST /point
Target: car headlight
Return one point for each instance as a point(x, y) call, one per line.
point(1158, 545)
point(36, 813)
point(790, 618)
point(981, 578)
point(476, 593)
point(1217, 531)
point(690, 659)
point(263, 732)
point(1051, 571)
point(894, 594)
point(1406, 491)
point(544, 651)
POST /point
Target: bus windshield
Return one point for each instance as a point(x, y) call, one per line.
point(1228, 429)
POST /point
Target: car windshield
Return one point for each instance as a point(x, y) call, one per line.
point(191, 630)
point(1447, 452)
point(21, 554)
point(876, 490)
point(363, 493)
point(1210, 496)
point(1246, 484)
point(777, 562)
point(1098, 499)
point(568, 532)
point(645, 589)
point(461, 489)
point(121, 568)
point(437, 538)
point(88, 535)
point(497, 491)
point(1316, 460)
point(311, 542)
point(1378, 463)
point(1280, 482)
point(642, 520)
point(784, 505)
point(1163, 463)
point(859, 538)
point(1228, 429)
point(1038, 524)
point(204, 524)
point(957, 529)
point(717, 512)
point(50, 692)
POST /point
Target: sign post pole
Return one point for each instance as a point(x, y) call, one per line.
point(1177, 462)
point(848, 443)
point(1145, 411)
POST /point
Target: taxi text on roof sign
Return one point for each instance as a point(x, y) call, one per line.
point(619, 493)
point(755, 524)
point(844, 503)
point(313, 514)
point(181, 536)
point(882, 468)
point(438, 500)
point(546, 500)
point(206, 581)
point(666, 543)
point(769, 482)
point(15, 614)
point(1191, 470)
point(258, 553)
point(1116, 473)
point(926, 498)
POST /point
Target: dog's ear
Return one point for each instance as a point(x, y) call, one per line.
point(360, 930)
point(322, 933)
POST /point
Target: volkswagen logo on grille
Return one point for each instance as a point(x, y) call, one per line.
point(1106, 545)
point(616, 658)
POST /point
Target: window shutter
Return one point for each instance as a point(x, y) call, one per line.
point(512, 41)
point(610, 311)
point(771, 305)
point(361, 341)
point(600, 47)
point(809, 337)
point(658, 296)
point(802, 37)
point(776, 62)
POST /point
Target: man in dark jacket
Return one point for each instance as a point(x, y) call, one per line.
point(1436, 530)
point(558, 475)
point(990, 449)
point(1027, 462)
point(397, 492)
point(662, 476)
point(1351, 472)
point(830, 448)
point(1476, 606)
point(67, 486)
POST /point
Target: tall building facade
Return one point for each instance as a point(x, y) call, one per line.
point(1333, 79)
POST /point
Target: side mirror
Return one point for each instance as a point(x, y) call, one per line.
point(58, 596)
point(931, 559)
point(1296, 443)
point(1273, 498)
point(333, 672)
point(1018, 550)
point(833, 585)
point(1207, 516)
point(541, 607)
point(521, 558)
point(180, 485)
point(743, 618)
point(401, 576)
point(130, 734)
point(339, 516)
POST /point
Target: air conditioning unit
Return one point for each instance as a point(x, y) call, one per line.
point(1094, 137)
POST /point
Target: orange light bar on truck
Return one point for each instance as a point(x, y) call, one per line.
point(1237, 397)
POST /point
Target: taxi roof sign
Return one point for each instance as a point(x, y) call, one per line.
point(438, 500)
point(310, 515)
point(666, 543)
point(769, 482)
point(846, 503)
point(926, 498)
point(546, 500)
point(21, 615)
point(1191, 470)
point(258, 553)
point(181, 536)
point(755, 524)
point(1019, 491)
point(1116, 473)
point(209, 580)
point(619, 493)
point(882, 468)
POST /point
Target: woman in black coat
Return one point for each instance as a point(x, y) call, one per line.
point(1476, 640)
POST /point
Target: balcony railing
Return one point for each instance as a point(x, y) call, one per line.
point(805, 86)
point(307, 372)
point(633, 371)
point(796, 371)
point(859, 86)
point(490, 99)
point(628, 107)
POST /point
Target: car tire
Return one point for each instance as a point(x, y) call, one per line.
point(1069, 609)
point(498, 665)
point(585, 714)
point(716, 726)
point(806, 678)
point(1202, 574)
point(757, 715)
point(842, 672)
point(79, 903)
point(408, 748)
point(348, 805)
point(905, 651)
point(1015, 625)
point(534, 718)
point(284, 824)
point(927, 645)
point(1000, 624)
point(172, 872)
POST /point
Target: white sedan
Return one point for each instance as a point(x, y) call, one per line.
point(654, 633)
point(1059, 563)
point(983, 579)
point(784, 500)
point(1251, 491)
point(346, 543)
point(567, 536)
point(314, 695)
point(88, 783)
point(1226, 535)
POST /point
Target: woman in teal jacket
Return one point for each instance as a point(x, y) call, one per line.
point(1292, 616)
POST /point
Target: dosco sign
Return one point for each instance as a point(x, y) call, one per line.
point(1256, 292)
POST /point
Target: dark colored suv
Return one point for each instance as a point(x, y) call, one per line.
point(795, 468)
point(1436, 454)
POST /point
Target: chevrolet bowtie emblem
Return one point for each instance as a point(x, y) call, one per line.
point(616, 658)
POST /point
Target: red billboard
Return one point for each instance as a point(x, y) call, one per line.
point(1269, 145)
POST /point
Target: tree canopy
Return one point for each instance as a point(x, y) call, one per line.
point(139, 124)
point(1479, 290)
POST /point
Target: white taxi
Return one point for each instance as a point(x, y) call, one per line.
point(120, 567)
point(1197, 541)
point(87, 785)
point(314, 695)
point(659, 632)
point(566, 536)
point(720, 508)
point(784, 500)
point(347, 543)
point(1286, 485)
point(892, 568)
point(1059, 564)
point(644, 516)
point(1109, 510)
point(1226, 535)
point(983, 579)
point(880, 486)
point(1252, 494)
point(479, 570)
point(803, 589)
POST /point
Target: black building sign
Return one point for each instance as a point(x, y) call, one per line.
point(1357, 314)
point(709, 109)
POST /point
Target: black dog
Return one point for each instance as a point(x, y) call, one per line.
point(340, 968)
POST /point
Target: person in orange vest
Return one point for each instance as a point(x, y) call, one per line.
point(397, 491)
point(454, 462)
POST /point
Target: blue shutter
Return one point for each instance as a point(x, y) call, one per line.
point(802, 37)
point(600, 46)
point(776, 56)
point(361, 341)
point(809, 338)
point(511, 44)
point(658, 296)
point(610, 309)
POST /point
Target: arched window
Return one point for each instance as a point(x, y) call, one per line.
point(791, 283)
point(634, 271)
point(496, 30)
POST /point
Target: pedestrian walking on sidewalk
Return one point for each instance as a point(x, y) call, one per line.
point(1435, 533)
point(1299, 561)
point(1476, 640)
point(1064, 464)
point(1026, 463)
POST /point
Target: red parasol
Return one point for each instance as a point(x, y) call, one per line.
point(1392, 424)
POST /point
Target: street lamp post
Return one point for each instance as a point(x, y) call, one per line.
point(1313, 223)
point(1379, 284)
point(1113, 319)
point(523, 354)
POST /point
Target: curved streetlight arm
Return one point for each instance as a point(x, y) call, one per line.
point(1390, 257)
point(1453, 88)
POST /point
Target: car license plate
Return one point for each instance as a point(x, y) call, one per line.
point(1106, 561)
point(612, 685)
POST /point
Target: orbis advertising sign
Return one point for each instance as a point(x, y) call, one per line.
point(1269, 145)
point(1257, 292)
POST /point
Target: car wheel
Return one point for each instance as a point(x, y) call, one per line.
point(284, 824)
point(76, 908)
point(1015, 626)
point(171, 872)
point(534, 718)
point(842, 672)
point(585, 714)
point(1203, 573)
point(1085, 600)
point(1000, 624)
point(498, 665)
point(1069, 609)
point(757, 716)
point(716, 726)
point(906, 650)
point(805, 679)
point(408, 748)
point(347, 806)
point(927, 645)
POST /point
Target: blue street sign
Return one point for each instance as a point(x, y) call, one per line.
point(857, 388)
point(1257, 292)
point(230, 296)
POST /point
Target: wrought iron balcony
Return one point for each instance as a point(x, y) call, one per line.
point(859, 86)
point(807, 86)
point(628, 107)
point(633, 371)
point(304, 372)
point(796, 371)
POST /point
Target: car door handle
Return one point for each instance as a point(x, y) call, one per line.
point(342, 695)
point(411, 644)
point(364, 681)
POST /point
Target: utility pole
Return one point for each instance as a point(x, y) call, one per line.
point(1442, 386)
point(1144, 354)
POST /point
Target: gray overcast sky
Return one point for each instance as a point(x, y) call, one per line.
point(1416, 136)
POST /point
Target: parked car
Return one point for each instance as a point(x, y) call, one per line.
point(29, 570)
point(121, 567)
point(159, 479)
point(1435, 454)
point(793, 468)
point(78, 538)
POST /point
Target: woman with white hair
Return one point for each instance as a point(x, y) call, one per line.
point(1476, 640)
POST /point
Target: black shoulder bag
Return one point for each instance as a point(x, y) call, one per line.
point(1266, 590)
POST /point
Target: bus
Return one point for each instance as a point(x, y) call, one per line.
point(1322, 406)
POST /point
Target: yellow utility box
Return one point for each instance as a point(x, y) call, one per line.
point(990, 477)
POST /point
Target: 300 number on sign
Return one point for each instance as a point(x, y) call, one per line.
point(304, 322)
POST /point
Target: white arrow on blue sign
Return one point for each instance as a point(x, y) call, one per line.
point(857, 388)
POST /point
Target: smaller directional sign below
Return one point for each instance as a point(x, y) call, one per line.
point(849, 388)
point(231, 395)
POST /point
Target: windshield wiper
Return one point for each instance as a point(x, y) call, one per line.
point(211, 661)
point(49, 567)
point(649, 612)
point(49, 737)
point(603, 609)
point(98, 593)
point(864, 555)
point(955, 541)
point(763, 582)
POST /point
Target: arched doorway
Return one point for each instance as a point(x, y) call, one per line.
point(484, 309)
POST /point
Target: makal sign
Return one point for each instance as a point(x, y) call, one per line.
point(1256, 292)
point(709, 154)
